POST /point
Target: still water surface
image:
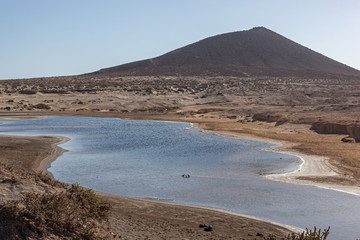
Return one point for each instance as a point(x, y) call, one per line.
point(146, 159)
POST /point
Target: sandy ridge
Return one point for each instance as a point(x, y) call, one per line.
point(56, 152)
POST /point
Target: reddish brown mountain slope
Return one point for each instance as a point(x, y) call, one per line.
point(256, 52)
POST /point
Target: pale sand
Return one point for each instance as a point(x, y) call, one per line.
point(291, 228)
point(20, 116)
point(43, 162)
point(312, 166)
point(56, 152)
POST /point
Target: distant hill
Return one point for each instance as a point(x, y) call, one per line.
point(256, 52)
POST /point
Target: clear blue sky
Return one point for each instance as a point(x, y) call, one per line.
point(65, 37)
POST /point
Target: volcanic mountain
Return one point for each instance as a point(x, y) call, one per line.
point(255, 52)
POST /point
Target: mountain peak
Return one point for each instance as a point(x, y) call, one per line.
point(255, 52)
point(260, 28)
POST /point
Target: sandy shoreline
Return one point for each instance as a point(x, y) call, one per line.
point(312, 166)
point(43, 162)
point(56, 152)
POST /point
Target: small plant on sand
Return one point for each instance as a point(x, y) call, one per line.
point(316, 234)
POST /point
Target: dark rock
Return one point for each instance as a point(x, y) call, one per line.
point(208, 228)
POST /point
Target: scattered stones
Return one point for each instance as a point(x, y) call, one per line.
point(259, 234)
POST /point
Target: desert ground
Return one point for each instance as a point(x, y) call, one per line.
point(316, 119)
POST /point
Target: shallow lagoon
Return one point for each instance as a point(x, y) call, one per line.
point(146, 159)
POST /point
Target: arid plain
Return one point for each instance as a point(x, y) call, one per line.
point(268, 109)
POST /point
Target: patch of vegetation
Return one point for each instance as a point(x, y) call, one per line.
point(39, 176)
point(75, 214)
point(208, 110)
point(7, 167)
point(41, 106)
point(45, 178)
point(315, 234)
point(156, 109)
point(11, 169)
point(28, 91)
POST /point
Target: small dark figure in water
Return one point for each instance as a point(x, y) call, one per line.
point(186, 175)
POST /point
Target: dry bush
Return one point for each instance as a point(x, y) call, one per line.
point(47, 179)
point(77, 214)
point(28, 91)
point(316, 234)
point(41, 106)
point(164, 109)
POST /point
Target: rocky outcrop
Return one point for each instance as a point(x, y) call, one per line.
point(354, 131)
point(338, 128)
point(329, 128)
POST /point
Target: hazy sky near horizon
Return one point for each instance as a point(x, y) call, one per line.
point(65, 37)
